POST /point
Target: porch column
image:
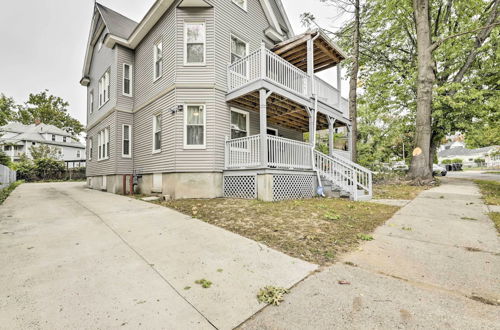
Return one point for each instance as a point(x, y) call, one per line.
point(310, 66)
point(339, 83)
point(312, 131)
point(263, 95)
point(331, 133)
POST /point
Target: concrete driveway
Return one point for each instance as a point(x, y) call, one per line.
point(475, 175)
point(434, 265)
point(77, 258)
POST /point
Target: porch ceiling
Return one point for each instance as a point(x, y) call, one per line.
point(282, 111)
point(326, 53)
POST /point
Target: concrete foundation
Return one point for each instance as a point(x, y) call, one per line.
point(175, 185)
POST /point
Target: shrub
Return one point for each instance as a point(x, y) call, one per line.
point(49, 169)
point(4, 159)
point(5, 192)
point(456, 161)
point(446, 161)
point(479, 161)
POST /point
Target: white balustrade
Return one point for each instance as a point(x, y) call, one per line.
point(289, 154)
point(243, 152)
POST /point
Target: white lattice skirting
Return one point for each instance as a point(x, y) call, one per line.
point(292, 187)
point(240, 186)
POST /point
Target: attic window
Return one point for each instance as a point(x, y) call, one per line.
point(241, 3)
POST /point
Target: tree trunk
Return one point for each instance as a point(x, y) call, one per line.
point(420, 163)
point(353, 82)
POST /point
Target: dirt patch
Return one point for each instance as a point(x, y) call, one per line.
point(315, 230)
point(397, 191)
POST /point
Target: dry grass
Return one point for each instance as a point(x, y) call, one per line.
point(490, 191)
point(315, 230)
point(495, 217)
point(397, 191)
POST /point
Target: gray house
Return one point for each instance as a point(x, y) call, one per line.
point(211, 98)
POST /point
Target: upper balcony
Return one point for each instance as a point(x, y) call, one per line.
point(294, 86)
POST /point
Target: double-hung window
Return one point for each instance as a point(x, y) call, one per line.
point(127, 79)
point(90, 148)
point(104, 89)
point(157, 133)
point(103, 144)
point(239, 50)
point(194, 44)
point(239, 124)
point(158, 60)
point(53, 137)
point(127, 141)
point(194, 132)
point(91, 101)
point(241, 3)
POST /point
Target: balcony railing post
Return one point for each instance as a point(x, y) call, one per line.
point(226, 152)
point(263, 64)
point(263, 128)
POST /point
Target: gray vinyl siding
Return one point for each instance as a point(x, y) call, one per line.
point(102, 60)
point(144, 159)
point(145, 87)
point(124, 56)
point(195, 74)
point(279, 17)
point(103, 167)
point(123, 165)
point(247, 25)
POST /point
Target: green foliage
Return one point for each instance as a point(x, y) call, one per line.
point(4, 159)
point(7, 107)
point(479, 161)
point(271, 295)
point(25, 169)
point(204, 283)
point(5, 192)
point(49, 109)
point(447, 161)
point(43, 151)
point(39, 169)
point(457, 161)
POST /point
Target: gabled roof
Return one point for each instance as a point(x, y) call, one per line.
point(461, 151)
point(116, 23)
point(34, 133)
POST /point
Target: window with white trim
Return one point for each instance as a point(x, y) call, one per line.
point(64, 139)
point(126, 141)
point(241, 3)
point(91, 101)
point(53, 137)
point(104, 89)
point(103, 144)
point(158, 60)
point(78, 154)
point(194, 132)
point(157, 133)
point(239, 49)
point(239, 123)
point(90, 148)
point(194, 43)
point(127, 79)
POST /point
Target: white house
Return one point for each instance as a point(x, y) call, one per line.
point(489, 154)
point(16, 139)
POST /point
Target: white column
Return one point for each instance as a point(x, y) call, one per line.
point(310, 66)
point(263, 127)
point(331, 133)
point(339, 82)
point(263, 61)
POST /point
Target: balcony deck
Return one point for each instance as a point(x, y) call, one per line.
point(292, 90)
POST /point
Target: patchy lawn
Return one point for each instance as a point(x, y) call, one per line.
point(5, 192)
point(397, 191)
point(490, 191)
point(495, 217)
point(315, 230)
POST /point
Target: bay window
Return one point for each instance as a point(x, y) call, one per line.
point(194, 132)
point(103, 144)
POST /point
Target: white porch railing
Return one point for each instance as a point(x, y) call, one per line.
point(264, 64)
point(290, 154)
point(326, 92)
point(346, 174)
point(243, 152)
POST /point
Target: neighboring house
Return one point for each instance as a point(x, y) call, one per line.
point(451, 145)
point(211, 98)
point(489, 154)
point(16, 139)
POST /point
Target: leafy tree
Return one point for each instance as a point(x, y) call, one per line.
point(43, 151)
point(49, 109)
point(7, 107)
point(4, 159)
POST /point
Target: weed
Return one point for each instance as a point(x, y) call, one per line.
point(472, 249)
point(204, 283)
point(442, 197)
point(407, 228)
point(187, 287)
point(365, 237)
point(349, 263)
point(468, 218)
point(271, 295)
point(220, 270)
point(331, 216)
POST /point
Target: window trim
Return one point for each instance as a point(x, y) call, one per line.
point(129, 141)
point(247, 114)
point(273, 129)
point(106, 77)
point(157, 151)
point(204, 63)
point(130, 79)
point(91, 147)
point(103, 140)
point(155, 59)
point(91, 101)
point(197, 146)
point(244, 7)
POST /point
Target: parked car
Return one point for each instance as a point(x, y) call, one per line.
point(439, 170)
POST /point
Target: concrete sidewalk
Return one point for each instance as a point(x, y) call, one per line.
point(435, 264)
point(77, 258)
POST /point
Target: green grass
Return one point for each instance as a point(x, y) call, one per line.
point(316, 230)
point(397, 191)
point(495, 217)
point(490, 191)
point(5, 192)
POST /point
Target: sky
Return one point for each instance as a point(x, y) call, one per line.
point(43, 43)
